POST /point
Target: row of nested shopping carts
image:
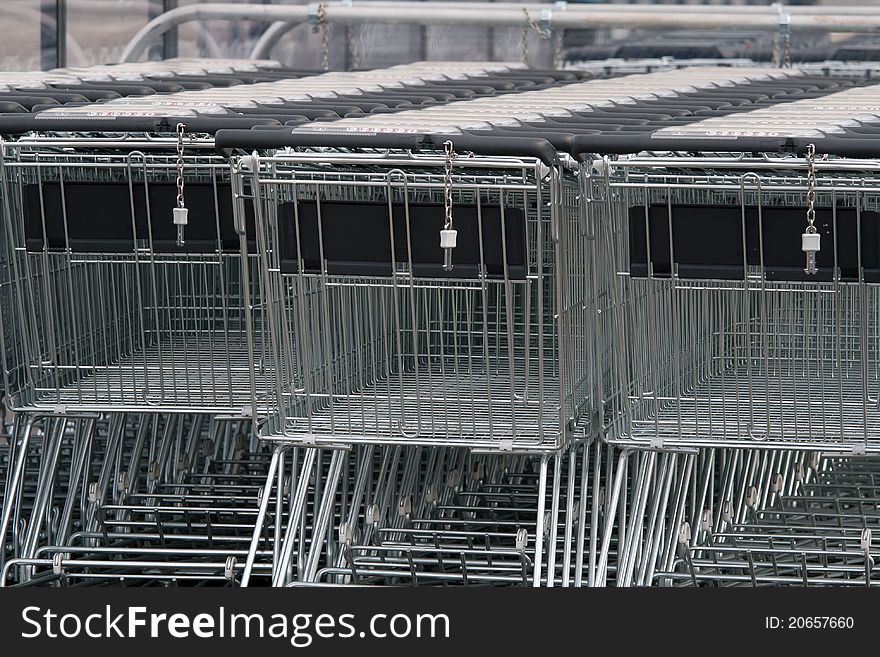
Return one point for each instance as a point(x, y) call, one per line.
point(442, 323)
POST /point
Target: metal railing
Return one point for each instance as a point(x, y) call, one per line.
point(542, 17)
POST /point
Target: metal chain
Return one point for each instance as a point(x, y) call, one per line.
point(786, 50)
point(531, 24)
point(324, 27)
point(448, 234)
point(811, 188)
point(776, 56)
point(447, 184)
point(180, 213)
point(181, 127)
point(811, 239)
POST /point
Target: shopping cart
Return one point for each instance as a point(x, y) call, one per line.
point(375, 339)
point(742, 350)
point(727, 341)
point(113, 311)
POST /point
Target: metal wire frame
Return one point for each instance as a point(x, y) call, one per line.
point(391, 515)
point(178, 500)
point(659, 502)
point(481, 362)
point(735, 363)
point(820, 537)
point(8, 337)
point(140, 498)
point(139, 328)
point(146, 499)
point(494, 531)
point(464, 529)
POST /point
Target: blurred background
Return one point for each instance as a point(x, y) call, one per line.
point(50, 33)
